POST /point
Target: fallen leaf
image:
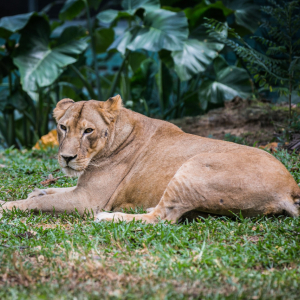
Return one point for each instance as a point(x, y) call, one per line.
point(254, 238)
point(41, 258)
point(50, 180)
point(37, 248)
point(96, 257)
point(26, 234)
point(271, 147)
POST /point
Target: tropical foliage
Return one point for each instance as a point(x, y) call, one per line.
point(277, 65)
point(167, 65)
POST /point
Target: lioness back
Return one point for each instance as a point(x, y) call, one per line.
point(163, 152)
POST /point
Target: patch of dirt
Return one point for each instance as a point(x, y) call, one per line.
point(251, 120)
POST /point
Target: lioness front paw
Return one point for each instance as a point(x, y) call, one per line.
point(149, 210)
point(37, 193)
point(103, 216)
point(115, 217)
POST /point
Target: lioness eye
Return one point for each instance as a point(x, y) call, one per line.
point(89, 130)
point(64, 128)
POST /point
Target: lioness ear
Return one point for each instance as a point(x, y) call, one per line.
point(61, 108)
point(113, 104)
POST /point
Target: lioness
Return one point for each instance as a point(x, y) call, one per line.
point(124, 159)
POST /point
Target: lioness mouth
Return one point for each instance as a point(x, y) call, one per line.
point(72, 172)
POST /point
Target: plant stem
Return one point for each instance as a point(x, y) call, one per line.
point(117, 76)
point(160, 87)
point(10, 83)
point(93, 48)
point(48, 110)
point(290, 61)
point(127, 83)
point(290, 101)
point(11, 136)
point(25, 130)
point(178, 103)
point(11, 128)
point(84, 81)
point(39, 125)
point(178, 95)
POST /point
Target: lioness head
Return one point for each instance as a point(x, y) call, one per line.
point(83, 129)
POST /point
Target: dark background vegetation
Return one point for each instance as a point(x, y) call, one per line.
point(157, 54)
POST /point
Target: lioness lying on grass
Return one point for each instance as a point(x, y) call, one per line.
point(124, 159)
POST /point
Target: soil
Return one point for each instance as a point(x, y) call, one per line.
point(254, 121)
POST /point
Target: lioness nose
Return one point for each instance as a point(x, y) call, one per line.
point(68, 158)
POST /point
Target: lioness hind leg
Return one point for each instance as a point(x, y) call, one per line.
point(171, 206)
point(168, 209)
point(215, 183)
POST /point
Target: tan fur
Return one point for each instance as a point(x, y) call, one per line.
point(61, 108)
point(130, 160)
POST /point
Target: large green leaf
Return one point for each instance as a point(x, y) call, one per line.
point(15, 23)
point(4, 94)
point(198, 52)
point(18, 100)
point(135, 60)
point(94, 3)
point(247, 14)
point(72, 40)
point(71, 9)
point(192, 59)
point(166, 57)
point(122, 41)
point(143, 81)
point(200, 33)
point(109, 15)
point(196, 13)
point(104, 38)
point(40, 65)
point(162, 29)
point(11, 24)
point(230, 81)
point(130, 8)
point(6, 66)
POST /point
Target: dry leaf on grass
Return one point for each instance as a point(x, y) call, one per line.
point(27, 235)
point(271, 147)
point(49, 180)
point(254, 239)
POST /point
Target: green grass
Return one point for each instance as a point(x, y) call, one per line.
point(69, 257)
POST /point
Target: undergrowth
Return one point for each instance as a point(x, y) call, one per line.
point(71, 257)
